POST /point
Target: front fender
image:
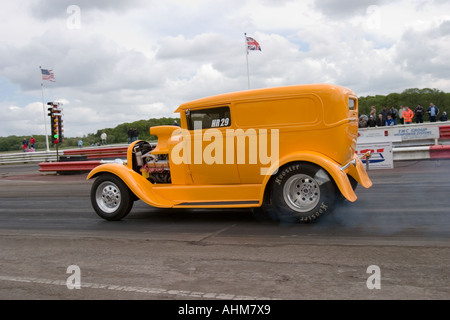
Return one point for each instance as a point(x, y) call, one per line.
point(140, 186)
point(334, 170)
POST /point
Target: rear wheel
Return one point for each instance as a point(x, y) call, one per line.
point(302, 192)
point(111, 198)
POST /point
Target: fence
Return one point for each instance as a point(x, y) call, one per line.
point(50, 156)
point(28, 157)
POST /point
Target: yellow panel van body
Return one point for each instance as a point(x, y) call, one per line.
point(288, 151)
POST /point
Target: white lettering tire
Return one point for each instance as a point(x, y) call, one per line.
point(302, 192)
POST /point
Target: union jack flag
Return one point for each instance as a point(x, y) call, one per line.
point(48, 75)
point(252, 44)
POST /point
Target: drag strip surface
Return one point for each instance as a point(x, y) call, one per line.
point(401, 225)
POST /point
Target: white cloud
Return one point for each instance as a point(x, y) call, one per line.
point(133, 60)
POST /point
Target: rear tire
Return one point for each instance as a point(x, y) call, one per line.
point(302, 192)
point(111, 198)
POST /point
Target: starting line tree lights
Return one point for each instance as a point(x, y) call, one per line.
point(56, 122)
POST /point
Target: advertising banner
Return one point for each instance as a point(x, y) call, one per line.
point(403, 133)
point(382, 157)
point(415, 133)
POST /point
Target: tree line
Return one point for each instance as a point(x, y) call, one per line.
point(409, 97)
point(119, 134)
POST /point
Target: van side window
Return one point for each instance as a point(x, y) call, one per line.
point(209, 118)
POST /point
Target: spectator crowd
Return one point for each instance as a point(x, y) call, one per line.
point(404, 115)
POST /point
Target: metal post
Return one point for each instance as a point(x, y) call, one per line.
point(43, 108)
point(246, 55)
point(367, 156)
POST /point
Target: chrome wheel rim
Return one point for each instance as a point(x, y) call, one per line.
point(301, 193)
point(108, 197)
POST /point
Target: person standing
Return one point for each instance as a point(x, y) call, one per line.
point(394, 114)
point(408, 115)
point(80, 143)
point(418, 112)
point(373, 112)
point(130, 135)
point(433, 112)
point(400, 115)
point(384, 113)
point(380, 121)
point(32, 142)
point(103, 137)
point(444, 116)
point(24, 144)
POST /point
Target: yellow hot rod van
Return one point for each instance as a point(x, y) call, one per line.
point(288, 151)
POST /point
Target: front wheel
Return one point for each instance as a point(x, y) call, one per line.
point(111, 198)
point(302, 192)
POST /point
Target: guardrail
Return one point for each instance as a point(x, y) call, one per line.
point(422, 153)
point(28, 157)
point(91, 153)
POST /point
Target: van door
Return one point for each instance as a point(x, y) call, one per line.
point(211, 161)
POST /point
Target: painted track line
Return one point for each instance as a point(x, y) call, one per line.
point(156, 291)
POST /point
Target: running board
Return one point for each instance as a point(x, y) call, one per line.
point(217, 203)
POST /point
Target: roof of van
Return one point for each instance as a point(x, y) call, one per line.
point(262, 94)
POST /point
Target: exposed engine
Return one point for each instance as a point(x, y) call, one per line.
point(155, 168)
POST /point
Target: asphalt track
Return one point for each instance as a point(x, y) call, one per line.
point(401, 225)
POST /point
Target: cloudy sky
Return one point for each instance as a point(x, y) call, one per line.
point(118, 61)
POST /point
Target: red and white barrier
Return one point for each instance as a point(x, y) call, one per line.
point(94, 158)
point(440, 152)
point(99, 153)
point(389, 144)
point(69, 166)
point(444, 132)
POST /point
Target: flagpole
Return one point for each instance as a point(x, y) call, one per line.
point(43, 109)
point(246, 55)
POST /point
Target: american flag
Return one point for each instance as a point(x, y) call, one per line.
point(48, 75)
point(252, 44)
